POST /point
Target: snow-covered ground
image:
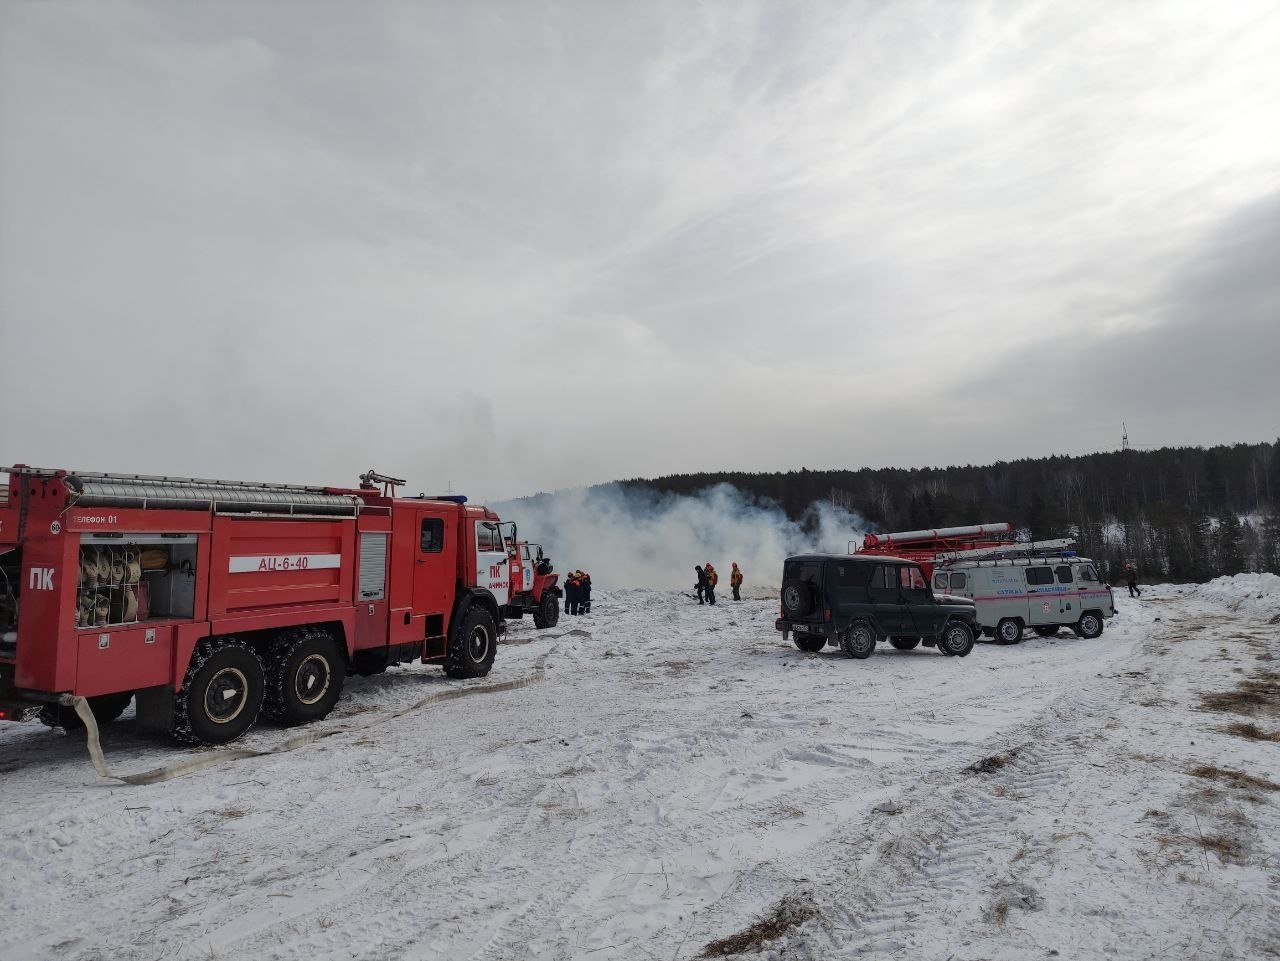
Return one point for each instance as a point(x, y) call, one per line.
point(679, 773)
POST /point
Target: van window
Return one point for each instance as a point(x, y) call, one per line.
point(1086, 572)
point(1039, 575)
point(432, 535)
point(940, 581)
point(1064, 573)
point(958, 581)
point(853, 574)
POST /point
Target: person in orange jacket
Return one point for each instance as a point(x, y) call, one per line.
point(712, 580)
point(735, 581)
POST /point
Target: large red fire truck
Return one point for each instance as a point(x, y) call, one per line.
point(212, 601)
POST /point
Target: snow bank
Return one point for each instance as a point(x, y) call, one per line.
point(1257, 595)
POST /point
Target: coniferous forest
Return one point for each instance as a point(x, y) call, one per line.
point(1178, 513)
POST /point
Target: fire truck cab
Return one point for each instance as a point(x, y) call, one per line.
point(534, 584)
point(211, 602)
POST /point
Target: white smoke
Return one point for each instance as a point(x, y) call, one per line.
point(633, 537)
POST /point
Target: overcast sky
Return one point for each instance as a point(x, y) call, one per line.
point(518, 246)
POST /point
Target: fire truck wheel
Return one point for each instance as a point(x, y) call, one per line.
point(810, 643)
point(547, 613)
point(859, 640)
point(905, 643)
point(1009, 631)
point(105, 707)
point(220, 695)
point(472, 645)
point(956, 639)
point(305, 671)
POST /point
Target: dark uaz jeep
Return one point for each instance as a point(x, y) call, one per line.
point(854, 601)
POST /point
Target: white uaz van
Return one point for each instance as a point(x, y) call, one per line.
point(1043, 593)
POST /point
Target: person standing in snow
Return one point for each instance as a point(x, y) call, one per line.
point(571, 593)
point(701, 586)
point(712, 580)
point(735, 581)
point(1131, 577)
point(584, 606)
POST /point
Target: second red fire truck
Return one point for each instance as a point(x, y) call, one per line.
point(212, 602)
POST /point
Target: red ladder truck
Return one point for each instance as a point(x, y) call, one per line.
point(210, 602)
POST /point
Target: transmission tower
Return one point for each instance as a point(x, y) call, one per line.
point(1124, 436)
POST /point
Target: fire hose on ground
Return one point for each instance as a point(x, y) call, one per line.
point(81, 707)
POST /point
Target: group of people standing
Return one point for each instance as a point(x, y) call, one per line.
point(577, 593)
point(709, 578)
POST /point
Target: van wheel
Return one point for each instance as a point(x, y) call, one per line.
point(809, 643)
point(304, 678)
point(905, 643)
point(472, 645)
point(1045, 630)
point(1009, 631)
point(547, 613)
point(858, 641)
point(105, 709)
point(221, 694)
point(956, 639)
point(1089, 626)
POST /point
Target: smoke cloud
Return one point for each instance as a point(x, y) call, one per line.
point(633, 537)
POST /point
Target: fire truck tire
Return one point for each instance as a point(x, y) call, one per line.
point(472, 645)
point(905, 643)
point(1045, 630)
point(809, 643)
point(105, 707)
point(305, 671)
point(221, 694)
point(956, 639)
point(547, 613)
point(859, 640)
point(1009, 631)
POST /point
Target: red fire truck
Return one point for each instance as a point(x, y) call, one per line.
point(212, 601)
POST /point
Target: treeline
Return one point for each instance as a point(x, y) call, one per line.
point(1181, 513)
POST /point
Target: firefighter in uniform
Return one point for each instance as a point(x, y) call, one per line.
point(571, 593)
point(584, 592)
point(712, 580)
point(701, 585)
point(735, 581)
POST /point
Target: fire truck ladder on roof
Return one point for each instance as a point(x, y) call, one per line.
point(193, 493)
point(1050, 548)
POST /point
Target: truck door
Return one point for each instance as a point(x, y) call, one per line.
point(920, 612)
point(1042, 595)
point(888, 603)
point(525, 561)
point(433, 574)
point(493, 562)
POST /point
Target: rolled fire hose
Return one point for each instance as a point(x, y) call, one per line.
point(215, 758)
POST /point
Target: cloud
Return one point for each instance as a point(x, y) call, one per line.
point(523, 246)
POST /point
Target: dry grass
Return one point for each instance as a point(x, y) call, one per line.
point(675, 668)
point(1259, 694)
point(993, 763)
point(1251, 732)
point(788, 914)
point(1235, 779)
point(1228, 849)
